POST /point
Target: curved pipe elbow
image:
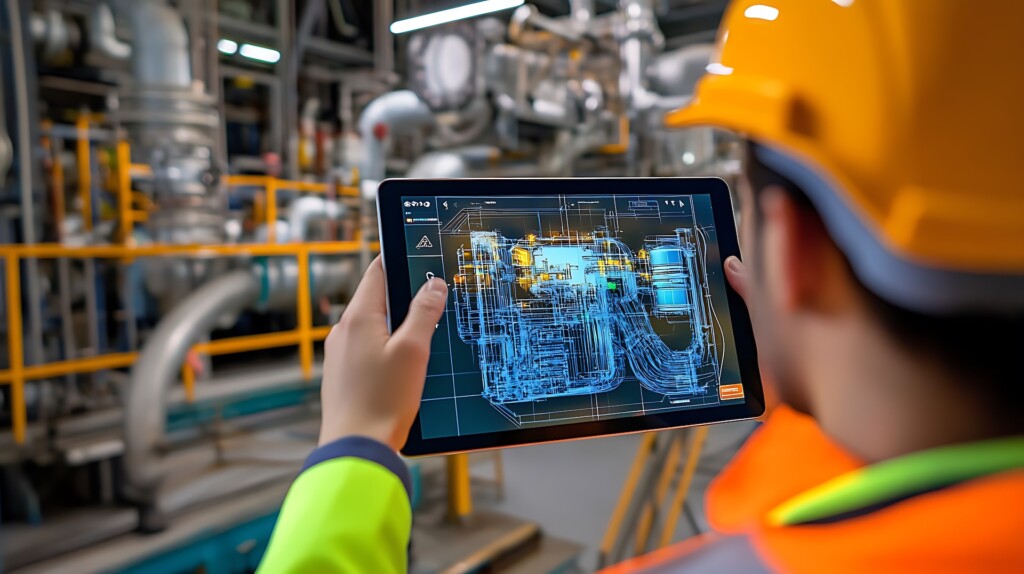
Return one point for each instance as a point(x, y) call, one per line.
point(102, 37)
point(394, 113)
point(158, 366)
point(305, 209)
point(160, 48)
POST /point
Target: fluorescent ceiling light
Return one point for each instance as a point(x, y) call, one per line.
point(260, 53)
point(761, 12)
point(453, 14)
point(227, 46)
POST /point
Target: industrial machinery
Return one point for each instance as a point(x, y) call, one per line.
point(540, 96)
point(186, 191)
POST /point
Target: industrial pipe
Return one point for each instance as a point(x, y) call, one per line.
point(394, 113)
point(639, 37)
point(527, 16)
point(677, 72)
point(280, 280)
point(581, 10)
point(454, 163)
point(102, 36)
point(6, 146)
point(159, 45)
point(158, 367)
point(309, 207)
point(439, 164)
point(479, 161)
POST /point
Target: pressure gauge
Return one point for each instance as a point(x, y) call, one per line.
point(443, 64)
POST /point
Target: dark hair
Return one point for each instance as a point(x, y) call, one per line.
point(983, 349)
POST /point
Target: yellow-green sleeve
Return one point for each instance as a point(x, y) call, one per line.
point(348, 511)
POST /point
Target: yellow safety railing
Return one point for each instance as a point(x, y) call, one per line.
point(126, 170)
point(271, 185)
point(84, 170)
point(304, 336)
point(265, 202)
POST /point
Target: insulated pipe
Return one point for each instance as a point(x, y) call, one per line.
point(6, 147)
point(101, 34)
point(271, 284)
point(678, 71)
point(581, 10)
point(639, 36)
point(159, 364)
point(455, 163)
point(473, 161)
point(23, 105)
point(159, 45)
point(439, 164)
point(303, 209)
point(280, 278)
point(394, 113)
point(527, 16)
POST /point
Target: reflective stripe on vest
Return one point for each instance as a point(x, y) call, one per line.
point(891, 481)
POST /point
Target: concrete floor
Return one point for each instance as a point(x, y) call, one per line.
point(571, 488)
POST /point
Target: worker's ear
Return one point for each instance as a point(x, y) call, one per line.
point(801, 262)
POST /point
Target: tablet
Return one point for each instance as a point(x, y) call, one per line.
point(577, 307)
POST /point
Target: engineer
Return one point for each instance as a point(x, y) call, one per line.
point(882, 221)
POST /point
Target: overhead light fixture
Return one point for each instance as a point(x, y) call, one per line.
point(761, 12)
point(453, 14)
point(260, 53)
point(227, 46)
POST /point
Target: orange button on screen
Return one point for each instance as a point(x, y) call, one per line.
point(730, 392)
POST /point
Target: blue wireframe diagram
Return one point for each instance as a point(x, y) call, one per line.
point(563, 310)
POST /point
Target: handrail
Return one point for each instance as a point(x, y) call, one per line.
point(18, 374)
point(272, 185)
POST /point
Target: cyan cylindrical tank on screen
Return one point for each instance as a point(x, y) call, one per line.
point(669, 280)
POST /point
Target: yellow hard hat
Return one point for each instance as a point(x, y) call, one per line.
point(902, 121)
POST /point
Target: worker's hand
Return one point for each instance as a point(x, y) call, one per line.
point(372, 381)
point(738, 275)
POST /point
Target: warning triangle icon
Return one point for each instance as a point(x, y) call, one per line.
point(424, 243)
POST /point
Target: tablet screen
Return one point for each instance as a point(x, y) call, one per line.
point(570, 308)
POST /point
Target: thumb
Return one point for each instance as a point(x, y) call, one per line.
point(738, 275)
point(425, 311)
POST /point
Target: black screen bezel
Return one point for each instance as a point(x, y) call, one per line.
point(394, 256)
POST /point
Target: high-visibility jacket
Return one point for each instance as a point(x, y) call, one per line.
point(794, 501)
point(791, 501)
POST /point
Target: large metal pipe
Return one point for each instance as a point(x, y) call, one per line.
point(581, 10)
point(160, 363)
point(677, 72)
point(394, 113)
point(24, 104)
point(173, 126)
point(454, 163)
point(280, 276)
point(102, 37)
point(6, 147)
point(639, 39)
point(159, 45)
point(527, 16)
point(479, 161)
point(271, 284)
point(309, 207)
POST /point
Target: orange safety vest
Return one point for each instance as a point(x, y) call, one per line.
point(794, 501)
